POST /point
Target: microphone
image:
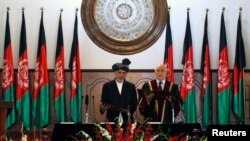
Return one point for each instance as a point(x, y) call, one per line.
point(87, 100)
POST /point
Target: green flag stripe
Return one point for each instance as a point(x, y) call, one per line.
point(189, 107)
point(41, 115)
point(59, 107)
point(23, 108)
point(223, 99)
point(206, 114)
point(238, 101)
point(76, 105)
point(9, 96)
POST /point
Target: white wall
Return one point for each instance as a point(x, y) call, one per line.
point(93, 57)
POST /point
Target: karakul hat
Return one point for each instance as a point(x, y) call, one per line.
point(123, 66)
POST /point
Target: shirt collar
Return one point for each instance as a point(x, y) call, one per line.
point(163, 81)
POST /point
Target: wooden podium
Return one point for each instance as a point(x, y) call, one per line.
point(4, 106)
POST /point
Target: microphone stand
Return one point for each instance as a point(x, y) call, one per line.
point(128, 113)
point(87, 108)
point(172, 107)
point(93, 103)
point(87, 115)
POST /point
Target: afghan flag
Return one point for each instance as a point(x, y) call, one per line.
point(22, 87)
point(223, 92)
point(8, 75)
point(75, 79)
point(238, 85)
point(206, 80)
point(40, 97)
point(168, 56)
point(187, 85)
point(59, 97)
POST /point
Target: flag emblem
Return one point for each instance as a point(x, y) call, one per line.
point(223, 80)
point(39, 75)
point(7, 74)
point(205, 74)
point(73, 84)
point(23, 80)
point(188, 75)
point(59, 74)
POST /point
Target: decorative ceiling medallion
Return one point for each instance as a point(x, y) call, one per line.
point(124, 26)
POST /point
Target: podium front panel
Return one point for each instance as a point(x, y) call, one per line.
point(67, 131)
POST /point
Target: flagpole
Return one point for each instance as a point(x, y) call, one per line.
point(238, 120)
point(7, 130)
point(244, 92)
point(22, 121)
point(81, 114)
point(39, 134)
point(211, 92)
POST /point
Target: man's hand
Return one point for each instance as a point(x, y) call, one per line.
point(104, 107)
point(149, 96)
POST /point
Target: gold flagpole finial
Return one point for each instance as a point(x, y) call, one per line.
point(8, 8)
point(23, 8)
point(240, 12)
point(61, 10)
point(76, 10)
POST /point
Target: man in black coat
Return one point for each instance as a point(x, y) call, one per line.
point(119, 98)
point(160, 99)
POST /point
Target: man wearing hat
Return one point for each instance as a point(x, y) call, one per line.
point(160, 99)
point(118, 97)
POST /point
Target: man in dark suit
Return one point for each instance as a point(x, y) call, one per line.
point(161, 99)
point(119, 97)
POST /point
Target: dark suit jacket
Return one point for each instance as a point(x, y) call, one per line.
point(156, 110)
point(127, 99)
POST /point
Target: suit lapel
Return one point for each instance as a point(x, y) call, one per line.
point(166, 87)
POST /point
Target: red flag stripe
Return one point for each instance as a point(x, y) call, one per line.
point(168, 56)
